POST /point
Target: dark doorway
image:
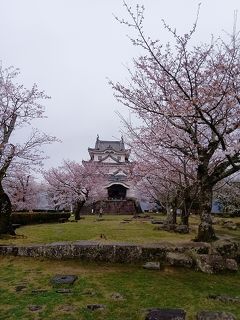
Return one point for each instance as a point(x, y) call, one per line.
point(117, 191)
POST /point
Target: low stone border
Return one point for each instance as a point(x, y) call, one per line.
point(181, 254)
point(95, 251)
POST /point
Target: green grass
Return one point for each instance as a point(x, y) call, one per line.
point(140, 289)
point(90, 228)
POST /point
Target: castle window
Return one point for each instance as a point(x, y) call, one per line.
point(99, 157)
point(119, 158)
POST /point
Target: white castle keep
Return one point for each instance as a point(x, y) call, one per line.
point(118, 189)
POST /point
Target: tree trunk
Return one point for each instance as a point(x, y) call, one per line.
point(77, 209)
point(185, 217)
point(206, 231)
point(186, 209)
point(5, 213)
point(171, 216)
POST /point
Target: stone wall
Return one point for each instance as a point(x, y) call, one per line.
point(119, 206)
point(127, 206)
point(221, 256)
point(94, 251)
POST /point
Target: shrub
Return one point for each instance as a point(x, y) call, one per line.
point(38, 217)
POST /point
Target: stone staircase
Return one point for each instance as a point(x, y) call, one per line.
point(119, 207)
point(128, 206)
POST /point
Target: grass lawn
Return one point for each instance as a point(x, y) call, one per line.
point(113, 228)
point(140, 289)
point(96, 283)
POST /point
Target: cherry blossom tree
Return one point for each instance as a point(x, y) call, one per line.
point(72, 184)
point(18, 108)
point(188, 99)
point(166, 179)
point(152, 187)
point(227, 194)
point(22, 189)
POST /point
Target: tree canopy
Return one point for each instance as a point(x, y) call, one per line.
point(188, 98)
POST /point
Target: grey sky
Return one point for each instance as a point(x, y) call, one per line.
point(70, 48)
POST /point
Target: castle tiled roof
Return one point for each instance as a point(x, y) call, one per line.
point(110, 148)
point(102, 145)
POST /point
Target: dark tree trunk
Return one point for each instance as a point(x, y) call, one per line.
point(77, 209)
point(206, 231)
point(186, 208)
point(185, 218)
point(5, 214)
point(171, 216)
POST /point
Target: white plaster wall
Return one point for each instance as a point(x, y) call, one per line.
point(96, 157)
point(131, 193)
point(109, 160)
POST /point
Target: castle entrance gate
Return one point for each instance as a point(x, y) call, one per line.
point(117, 192)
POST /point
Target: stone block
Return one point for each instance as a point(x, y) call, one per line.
point(231, 265)
point(212, 263)
point(96, 306)
point(20, 288)
point(224, 298)
point(116, 296)
point(166, 314)
point(179, 260)
point(64, 291)
point(63, 279)
point(152, 265)
point(39, 291)
point(211, 315)
point(226, 248)
point(127, 253)
point(152, 252)
point(35, 308)
point(181, 228)
point(157, 222)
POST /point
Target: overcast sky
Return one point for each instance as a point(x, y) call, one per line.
point(71, 47)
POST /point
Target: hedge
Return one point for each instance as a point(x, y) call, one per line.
point(38, 217)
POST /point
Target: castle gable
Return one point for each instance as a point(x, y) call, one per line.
point(109, 159)
point(119, 173)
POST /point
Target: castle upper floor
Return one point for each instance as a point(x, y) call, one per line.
point(109, 152)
